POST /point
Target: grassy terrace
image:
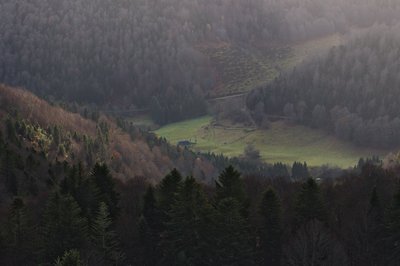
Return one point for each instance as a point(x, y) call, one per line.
point(282, 142)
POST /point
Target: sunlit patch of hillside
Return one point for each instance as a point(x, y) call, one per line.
point(281, 143)
point(239, 69)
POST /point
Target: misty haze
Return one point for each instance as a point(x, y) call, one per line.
point(200, 132)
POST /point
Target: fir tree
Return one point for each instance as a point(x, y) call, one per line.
point(299, 171)
point(188, 239)
point(63, 227)
point(309, 205)
point(104, 239)
point(168, 189)
point(150, 227)
point(149, 205)
point(233, 237)
point(280, 170)
point(20, 234)
point(230, 185)
point(106, 187)
point(271, 228)
point(83, 190)
point(146, 245)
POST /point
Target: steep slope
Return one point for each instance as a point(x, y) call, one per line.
point(64, 136)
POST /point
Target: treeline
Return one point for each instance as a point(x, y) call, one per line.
point(352, 91)
point(89, 218)
point(143, 53)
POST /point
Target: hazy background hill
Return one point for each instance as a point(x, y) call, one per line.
point(353, 91)
point(145, 53)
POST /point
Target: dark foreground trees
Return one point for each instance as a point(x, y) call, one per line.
point(353, 220)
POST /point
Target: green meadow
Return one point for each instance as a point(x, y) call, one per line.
point(281, 143)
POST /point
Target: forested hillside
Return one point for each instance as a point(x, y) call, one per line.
point(82, 189)
point(353, 91)
point(82, 216)
point(265, 124)
point(142, 53)
point(32, 124)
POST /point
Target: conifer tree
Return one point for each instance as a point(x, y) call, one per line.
point(150, 228)
point(233, 237)
point(104, 239)
point(63, 227)
point(393, 228)
point(230, 185)
point(309, 205)
point(280, 170)
point(106, 187)
point(271, 228)
point(188, 239)
point(83, 190)
point(20, 234)
point(18, 221)
point(152, 215)
point(145, 251)
point(168, 189)
point(374, 230)
point(375, 211)
point(299, 171)
point(70, 258)
point(149, 205)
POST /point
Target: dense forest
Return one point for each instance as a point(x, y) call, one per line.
point(87, 217)
point(80, 188)
point(353, 91)
point(142, 54)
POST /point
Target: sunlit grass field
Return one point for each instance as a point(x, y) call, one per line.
point(281, 143)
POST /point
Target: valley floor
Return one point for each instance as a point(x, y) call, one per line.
point(281, 143)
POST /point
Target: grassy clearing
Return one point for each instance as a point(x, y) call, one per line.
point(240, 69)
point(281, 143)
